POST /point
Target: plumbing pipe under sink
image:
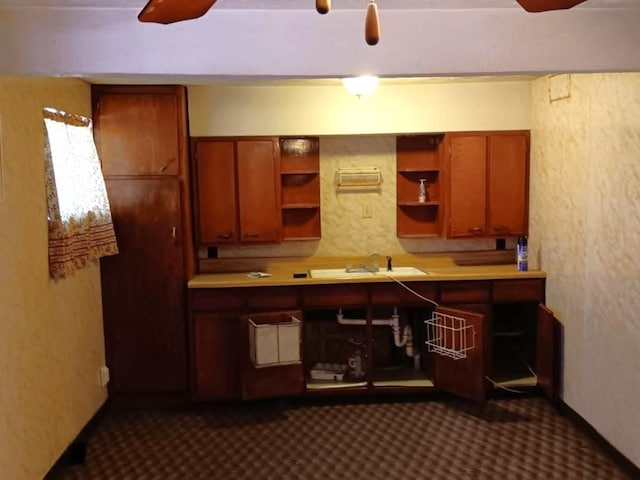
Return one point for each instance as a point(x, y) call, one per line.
point(360, 321)
point(400, 339)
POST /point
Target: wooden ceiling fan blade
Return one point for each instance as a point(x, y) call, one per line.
point(171, 11)
point(372, 24)
point(546, 5)
point(323, 6)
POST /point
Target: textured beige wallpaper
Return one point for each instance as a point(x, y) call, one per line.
point(344, 230)
point(585, 232)
point(51, 340)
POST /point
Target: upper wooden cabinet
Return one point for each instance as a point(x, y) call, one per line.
point(488, 184)
point(237, 190)
point(140, 130)
point(508, 194)
point(216, 192)
point(418, 157)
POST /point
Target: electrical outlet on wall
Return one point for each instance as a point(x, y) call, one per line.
point(366, 210)
point(103, 376)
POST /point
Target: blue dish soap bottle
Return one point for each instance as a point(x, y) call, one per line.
point(522, 254)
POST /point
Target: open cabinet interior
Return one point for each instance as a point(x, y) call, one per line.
point(335, 354)
point(399, 354)
point(455, 350)
point(514, 345)
point(345, 350)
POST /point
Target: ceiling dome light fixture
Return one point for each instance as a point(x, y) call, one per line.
point(362, 86)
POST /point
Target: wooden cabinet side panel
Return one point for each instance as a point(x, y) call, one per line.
point(143, 288)
point(258, 200)
point(217, 373)
point(467, 185)
point(216, 192)
point(140, 131)
point(508, 184)
point(547, 351)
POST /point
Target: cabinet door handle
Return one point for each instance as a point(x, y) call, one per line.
point(501, 229)
point(174, 234)
point(226, 236)
point(476, 231)
point(165, 165)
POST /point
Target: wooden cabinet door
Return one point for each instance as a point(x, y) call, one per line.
point(216, 192)
point(508, 193)
point(216, 362)
point(142, 130)
point(547, 351)
point(258, 191)
point(464, 377)
point(143, 288)
point(467, 185)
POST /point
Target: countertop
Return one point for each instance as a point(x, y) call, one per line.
point(224, 273)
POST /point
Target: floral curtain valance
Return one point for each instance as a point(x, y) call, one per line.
point(80, 225)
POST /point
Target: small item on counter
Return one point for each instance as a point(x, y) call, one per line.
point(258, 274)
point(522, 254)
point(300, 275)
point(422, 191)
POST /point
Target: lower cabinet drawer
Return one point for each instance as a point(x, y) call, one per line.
point(216, 360)
point(465, 292)
point(397, 295)
point(217, 300)
point(526, 290)
point(268, 298)
point(339, 295)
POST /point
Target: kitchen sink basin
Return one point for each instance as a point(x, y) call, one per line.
point(343, 274)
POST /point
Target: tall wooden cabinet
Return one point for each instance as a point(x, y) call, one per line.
point(487, 193)
point(237, 190)
point(141, 137)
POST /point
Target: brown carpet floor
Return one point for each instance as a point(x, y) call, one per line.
point(436, 440)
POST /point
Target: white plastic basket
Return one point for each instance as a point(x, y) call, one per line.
point(449, 335)
point(275, 343)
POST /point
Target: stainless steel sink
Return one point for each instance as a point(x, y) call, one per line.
point(343, 274)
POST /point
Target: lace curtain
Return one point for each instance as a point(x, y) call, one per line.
point(79, 218)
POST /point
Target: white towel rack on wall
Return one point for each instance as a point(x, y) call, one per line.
point(368, 177)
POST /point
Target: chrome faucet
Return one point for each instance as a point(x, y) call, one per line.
point(370, 264)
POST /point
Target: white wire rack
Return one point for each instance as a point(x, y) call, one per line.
point(370, 177)
point(449, 335)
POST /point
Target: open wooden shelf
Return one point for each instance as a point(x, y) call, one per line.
point(300, 188)
point(418, 157)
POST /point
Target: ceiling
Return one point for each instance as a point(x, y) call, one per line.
point(307, 4)
point(246, 41)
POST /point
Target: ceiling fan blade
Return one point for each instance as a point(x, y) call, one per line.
point(170, 11)
point(323, 6)
point(546, 5)
point(372, 24)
